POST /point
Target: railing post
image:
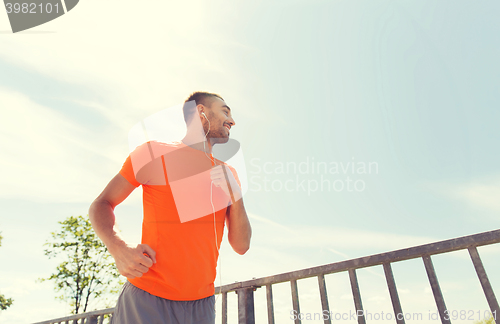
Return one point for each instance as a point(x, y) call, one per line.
point(391, 284)
point(324, 299)
point(246, 310)
point(436, 290)
point(270, 306)
point(224, 308)
point(91, 319)
point(485, 283)
point(295, 300)
point(360, 313)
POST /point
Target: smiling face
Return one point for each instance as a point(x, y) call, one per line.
point(221, 121)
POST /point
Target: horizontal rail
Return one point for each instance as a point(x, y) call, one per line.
point(79, 316)
point(455, 244)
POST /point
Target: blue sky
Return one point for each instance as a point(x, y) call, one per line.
point(408, 85)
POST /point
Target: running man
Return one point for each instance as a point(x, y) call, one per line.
point(188, 196)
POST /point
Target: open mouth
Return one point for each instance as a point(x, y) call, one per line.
point(228, 128)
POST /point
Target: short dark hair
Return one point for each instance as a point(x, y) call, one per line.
point(200, 97)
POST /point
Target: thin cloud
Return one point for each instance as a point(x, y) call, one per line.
point(322, 236)
point(482, 193)
point(46, 156)
point(485, 195)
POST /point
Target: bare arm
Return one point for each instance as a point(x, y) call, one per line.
point(130, 261)
point(238, 225)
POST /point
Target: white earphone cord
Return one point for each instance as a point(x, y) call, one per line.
point(217, 246)
point(213, 211)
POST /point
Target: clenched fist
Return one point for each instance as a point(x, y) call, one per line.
point(133, 261)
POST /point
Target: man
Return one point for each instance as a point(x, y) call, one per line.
point(188, 196)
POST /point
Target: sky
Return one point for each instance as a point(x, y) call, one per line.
point(365, 127)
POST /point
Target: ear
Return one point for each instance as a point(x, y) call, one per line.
point(200, 109)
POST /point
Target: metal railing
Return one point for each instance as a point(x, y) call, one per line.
point(95, 317)
point(245, 289)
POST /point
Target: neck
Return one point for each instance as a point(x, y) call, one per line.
point(198, 143)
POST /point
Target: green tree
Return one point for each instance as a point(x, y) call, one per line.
point(88, 272)
point(4, 302)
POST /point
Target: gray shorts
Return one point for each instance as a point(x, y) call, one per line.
point(136, 306)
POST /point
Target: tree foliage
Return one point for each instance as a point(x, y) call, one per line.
point(489, 320)
point(4, 302)
point(87, 272)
